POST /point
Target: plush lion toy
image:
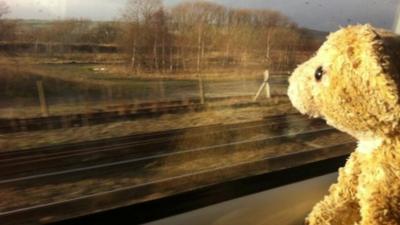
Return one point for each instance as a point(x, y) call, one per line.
point(353, 83)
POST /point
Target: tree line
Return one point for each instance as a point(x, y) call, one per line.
point(192, 36)
point(199, 35)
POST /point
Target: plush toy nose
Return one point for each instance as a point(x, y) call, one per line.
point(295, 92)
point(300, 91)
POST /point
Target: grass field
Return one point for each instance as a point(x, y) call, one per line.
point(79, 87)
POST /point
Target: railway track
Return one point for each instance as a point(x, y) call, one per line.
point(140, 165)
point(153, 135)
point(69, 156)
point(111, 114)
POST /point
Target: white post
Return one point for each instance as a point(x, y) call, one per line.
point(265, 85)
point(396, 22)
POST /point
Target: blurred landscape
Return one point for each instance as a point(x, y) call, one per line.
point(150, 53)
point(192, 51)
point(96, 115)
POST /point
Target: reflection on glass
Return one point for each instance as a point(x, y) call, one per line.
point(100, 96)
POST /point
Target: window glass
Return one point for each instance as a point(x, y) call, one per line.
point(157, 97)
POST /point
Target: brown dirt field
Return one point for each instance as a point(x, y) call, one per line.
point(28, 140)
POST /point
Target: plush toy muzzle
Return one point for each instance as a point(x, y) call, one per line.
point(300, 89)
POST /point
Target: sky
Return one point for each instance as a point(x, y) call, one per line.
point(324, 15)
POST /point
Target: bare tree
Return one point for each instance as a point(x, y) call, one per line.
point(104, 33)
point(159, 27)
point(139, 10)
point(198, 35)
point(198, 24)
point(137, 16)
point(7, 27)
point(4, 9)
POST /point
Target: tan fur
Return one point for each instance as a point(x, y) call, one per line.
point(358, 94)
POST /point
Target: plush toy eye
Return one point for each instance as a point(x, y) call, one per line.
point(319, 73)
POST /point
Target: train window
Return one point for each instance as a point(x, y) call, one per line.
point(155, 97)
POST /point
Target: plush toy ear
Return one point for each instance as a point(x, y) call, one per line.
point(390, 48)
point(383, 65)
point(364, 80)
point(371, 56)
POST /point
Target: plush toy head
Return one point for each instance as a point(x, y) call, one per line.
point(352, 82)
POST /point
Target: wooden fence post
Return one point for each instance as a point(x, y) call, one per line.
point(42, 99)
point(201, 89)
point(161, 89)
